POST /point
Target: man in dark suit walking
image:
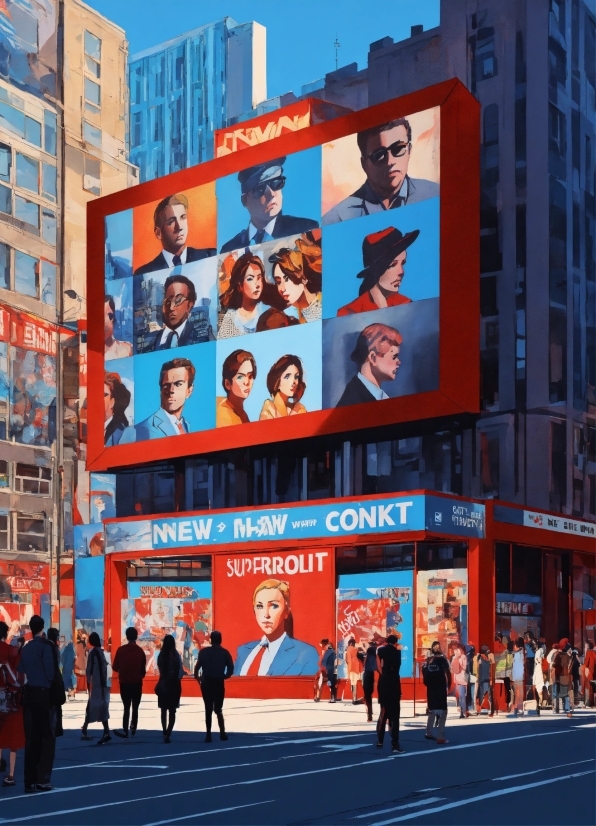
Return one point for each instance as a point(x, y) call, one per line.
point(214, 665)
point(170, 224)
point(377, 357)
point(261, 193)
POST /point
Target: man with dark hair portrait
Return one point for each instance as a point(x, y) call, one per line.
point(170, 225)
point(376, 357)
point(176, 383)
point(179, 298)
point(113, 349)
point(384, 155)
point(261, 193)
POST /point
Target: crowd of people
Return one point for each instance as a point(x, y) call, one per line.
point(35, 681)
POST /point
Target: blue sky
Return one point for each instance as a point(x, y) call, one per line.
point(300, 35)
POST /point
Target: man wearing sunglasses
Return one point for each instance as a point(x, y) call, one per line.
point(384, 156)
point(179, 329)
point(170, 225)
point(261, 193)
point(113, 348)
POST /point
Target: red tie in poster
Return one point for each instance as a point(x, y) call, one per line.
point(276, 608)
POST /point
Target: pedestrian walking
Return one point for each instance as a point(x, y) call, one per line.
point(554, 685)
point(589, 676)
point(486, 669)
point(169, 685)
point(214, 665)
point(12, 727)
point(354, 669)
point(436, 676)
point(459, 669)
point(98, 704)
point(473, 679)
point(574, 670)
point(130, 664)
point(328, 661)
point(67, 660)
point(57, 689)
point(368, 678)
point(321, 675)
point(538, 677)
point(562, 675)
point(37, 664)
point(389, 690)
point(81, 655)
point(518, 676)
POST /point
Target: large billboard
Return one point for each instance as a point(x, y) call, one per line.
point(324, 281)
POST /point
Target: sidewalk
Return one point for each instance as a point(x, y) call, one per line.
point(285, 716)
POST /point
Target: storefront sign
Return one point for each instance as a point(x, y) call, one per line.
point(518, 605)
point(544, 521)
point(335, 519)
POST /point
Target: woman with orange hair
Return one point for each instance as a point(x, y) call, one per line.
point(298, 277)
point(276, 653)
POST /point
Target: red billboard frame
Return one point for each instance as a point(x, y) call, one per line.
point(459, 313)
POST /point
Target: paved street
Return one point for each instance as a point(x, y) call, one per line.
point(300, 763)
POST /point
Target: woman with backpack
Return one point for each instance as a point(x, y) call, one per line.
point(12, 727)
point(169, 685)
point(98, 705)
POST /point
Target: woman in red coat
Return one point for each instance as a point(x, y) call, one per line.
point(12, 728)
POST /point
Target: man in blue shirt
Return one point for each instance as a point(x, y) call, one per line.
point(37, 663)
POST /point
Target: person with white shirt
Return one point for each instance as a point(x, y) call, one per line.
point(179, 299)
point(176, 382)
point(261, 193)
point(113, 348)
point(276, 653)
point(170, 225)
point(377, 357)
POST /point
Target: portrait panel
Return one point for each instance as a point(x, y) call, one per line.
point(270, 201)
point(33, 397)
point(283, 599)
point(180, 224)
point(102, 496)
point(384, 354)
point(88, 540)
point(118, 396)
point(175, 307)
point(275, 374)
point(390, 258)
point(118, 229)
point(118, 318)
point(270, 286)
point(389, 166)
point(176, 385)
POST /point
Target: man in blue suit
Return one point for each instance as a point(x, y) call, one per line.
point(170, 224)
point(261, 193)
point(176, 382)
point(276, 654)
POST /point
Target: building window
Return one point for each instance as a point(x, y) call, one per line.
point(49, 132)
point(49, 184)
point(4, 266)
point(137, 128)
point(4, 523)
point(5, 162)
point(49, 226)
point(91, 134)
point(26, 211)
point(32, 479)
point(15, 121)
point(92, 46)
point(27, 173)
point(92, 94)
point(26, 274)
point(4, 474)
point(486, 61)
point(5, 200)
point(48, 283)
point(31, 532)
point(92, 176)
point(33, 131)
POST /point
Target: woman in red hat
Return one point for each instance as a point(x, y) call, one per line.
point(384, 255)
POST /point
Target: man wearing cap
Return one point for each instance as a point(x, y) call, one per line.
point(384, 155)
point(170, 225)
point(384, 257)
point(261, 193)
point(376, 356)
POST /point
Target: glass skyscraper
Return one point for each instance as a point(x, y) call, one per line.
point(184, 89)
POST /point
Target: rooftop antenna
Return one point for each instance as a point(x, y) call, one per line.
point(337, 44)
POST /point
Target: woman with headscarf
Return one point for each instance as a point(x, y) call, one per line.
point(285, 382)
point(169, 685)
